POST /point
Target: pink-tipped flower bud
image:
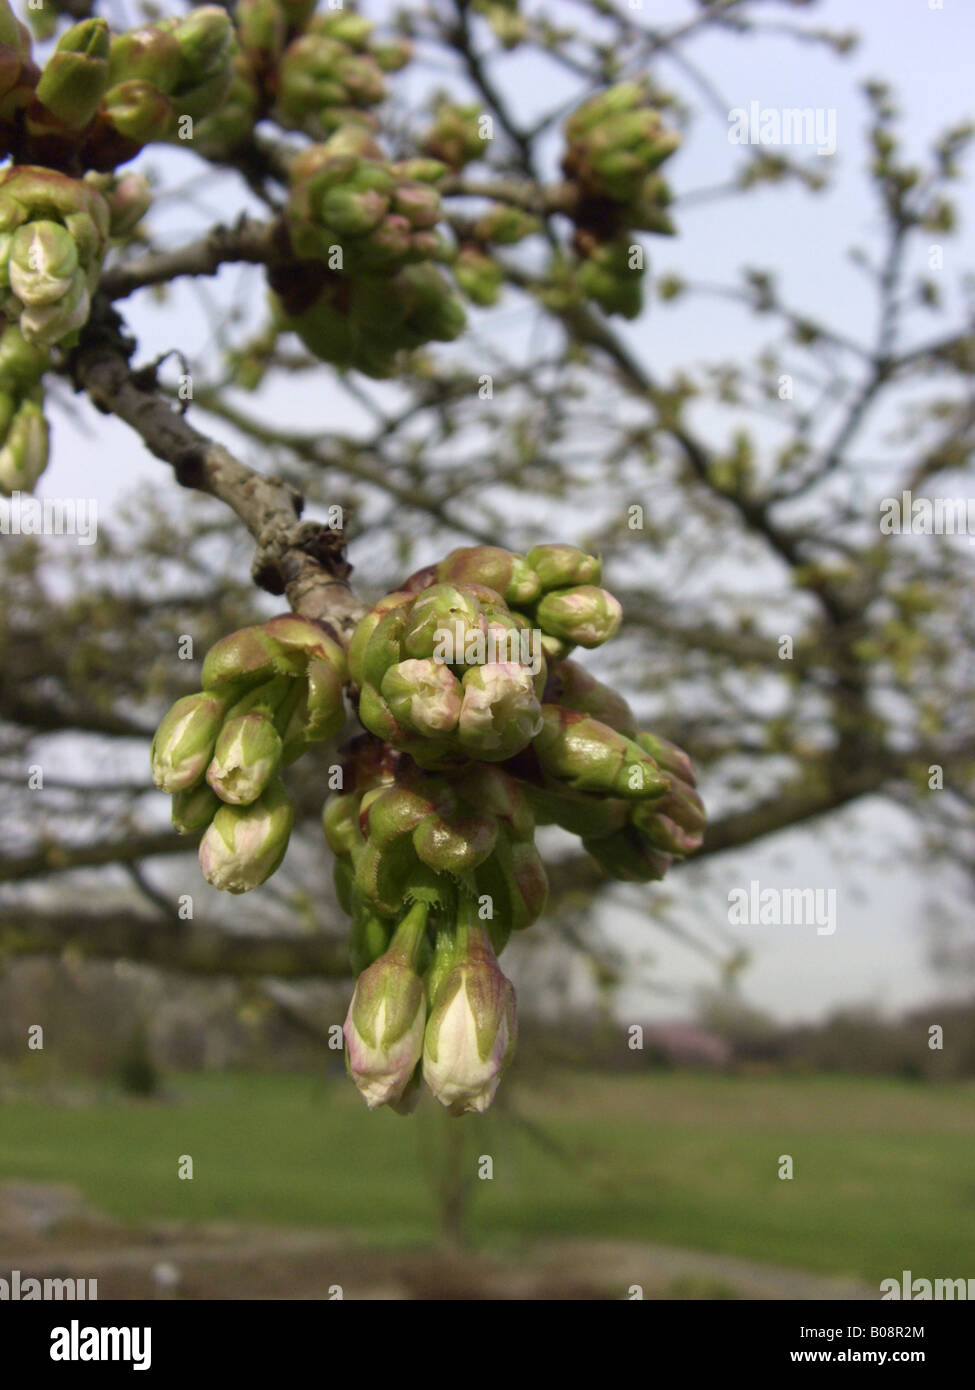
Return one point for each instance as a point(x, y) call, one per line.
point(424, 695)
point(245, 844)
point(183, 745)
point(471, 1033)
point(500, 713)
point(386, 1019)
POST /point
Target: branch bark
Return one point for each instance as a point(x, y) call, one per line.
point(306, 561)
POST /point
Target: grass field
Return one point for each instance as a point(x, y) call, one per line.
point(884, 1171)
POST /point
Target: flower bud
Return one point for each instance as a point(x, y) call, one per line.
point(671, 758)
point(245, 758)
point(424, 695)
point(559, 566)
point(626, 856)
point(591, 757)
point(245, 844)
point(76, 74)
point(138, 110)
point(184, 741)
point(585, 615)
point(500, 714)
point(471, 1032)
point(508, 574)
point(42, 263)
point(443, 622)
point(571, 686)
point(194, 809)
point(675, 822)
point(386, 1019)
point(24, 450)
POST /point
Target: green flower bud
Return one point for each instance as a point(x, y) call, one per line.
point(138, 110)
point(151, 55)
point(627, 856)
point(245, 844)
point(76, 74)
point(424, 170)
point(22, 364)
point(424, 695)
point(480, 277)
point(571, 686)
point(559, 566)
point(510, 575)
point(47, 324)
point(671, 758)
point(589, 817)
point(129, 199)
point(500, 714)
point(194, 809)
point(585, 615)
point(184, 742)
point(609, 277)
point(443, 622)
point(364, 633)
point(262, 27)
point(245, 758)
point(340, 820)
point(24, 448)
point(504, 226)
point(205, 37)
point(453, 842)
point(675, 823)
point(324, 708)
point(42, 262)
point(591, 757)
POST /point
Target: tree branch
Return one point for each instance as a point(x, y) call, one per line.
point(305, 561)
point(153, 941)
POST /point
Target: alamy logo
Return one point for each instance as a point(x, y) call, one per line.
point(926, 516)
point(921, 1290)
point(77, 1343)
point(472, 647)
point(787, 125)
point(15, 1289)
point(756, 906)
point(23, 515)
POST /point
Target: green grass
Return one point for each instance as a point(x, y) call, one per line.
point(884, 1171)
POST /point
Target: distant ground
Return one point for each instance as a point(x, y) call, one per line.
point(669, 1181)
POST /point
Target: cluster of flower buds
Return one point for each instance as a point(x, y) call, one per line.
point(633, 817)
point(268, 692)
point(351, 207)
point(615, 144)
point(444, 1013)
point(167, 73)
point(333, 73)
point(435, 871)
point(23, 428)
point(53, 234)
point(457, 136)
point(448, 674)
point(478, 728)
point(102, 96)
point(362, 285)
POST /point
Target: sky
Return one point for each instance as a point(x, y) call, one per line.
point(877, 953)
